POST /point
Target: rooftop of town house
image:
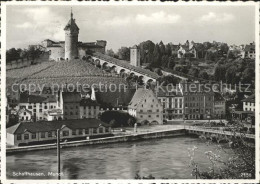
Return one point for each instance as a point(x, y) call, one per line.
point(117, 98)
point(218, 97)
point(196, 88)
point(73, 97)
point(26, 98)
point(88, 102)
point(24, 110)
point(138, 97)
point(46, 126)
point(125, 64)
point(169, 91)
point(250, 47)
point(250, 99)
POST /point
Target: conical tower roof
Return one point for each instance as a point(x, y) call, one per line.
point(71, 25)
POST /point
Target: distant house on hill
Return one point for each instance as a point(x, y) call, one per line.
point(250, 51)
point(23, 134)
point(187, 50)
point(146, 107)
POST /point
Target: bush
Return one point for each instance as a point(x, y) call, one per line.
point(119, 118)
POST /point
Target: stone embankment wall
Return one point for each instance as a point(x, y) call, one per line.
point(107, 140)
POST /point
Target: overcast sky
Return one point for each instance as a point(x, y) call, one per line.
point(129, 25)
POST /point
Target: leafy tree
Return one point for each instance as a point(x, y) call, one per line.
point(241, 158)
point(165, 59)
point(158, 71)
point(204, 75)
point(110, 52)
point(118, 118)
point(219, 73)
point(194, 72)
point(146, 51)
point(124, 53)
point(162, 48)
point(12, 54)
point(248, 75)
point(168, 50)
point(171, 62)
point(156, 55)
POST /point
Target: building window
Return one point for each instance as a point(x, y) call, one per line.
point(29, 107)
point(80, 132)
point(33, 135)
point(19, 137)
point(45, 107)
point(151, 105)
point(26, 136)
point(65, 133)
point(42, 134)
point(94, 130)
point(40, 110)
point(71, 113)
point(157, 110)
point(100, 130)
point(49, 134)
point(87, 131)
point(107, 129)
point(73, 132)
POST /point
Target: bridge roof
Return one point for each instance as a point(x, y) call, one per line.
point(125, 64)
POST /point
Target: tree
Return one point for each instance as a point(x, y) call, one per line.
point(158, 71)
point(146, 51)
point(162, 48)
point(156, 55)
point(168, 50)
point(194, 72)
point(248, 75)
point(231, 75)
point(34, 52)
point(124, 53)
point(110, 52)
point(171, 62)
point(12, 54)
point(165, 59)
point(219, 73)
point(204, 75)
point(239, 165)
point(118, 118)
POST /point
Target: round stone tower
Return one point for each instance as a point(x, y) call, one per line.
point(71, 39)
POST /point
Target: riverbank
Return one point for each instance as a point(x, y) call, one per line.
point(115, 139)
point(151, 132)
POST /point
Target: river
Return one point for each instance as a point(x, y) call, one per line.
point(167, 157)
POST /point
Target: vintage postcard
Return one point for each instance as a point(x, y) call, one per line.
point(121, 92)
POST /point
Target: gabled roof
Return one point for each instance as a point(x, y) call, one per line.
point(138, 97)
point(24, 110)
point(46, 126)
point(118, 98)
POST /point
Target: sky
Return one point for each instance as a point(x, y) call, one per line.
point(130, 25)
